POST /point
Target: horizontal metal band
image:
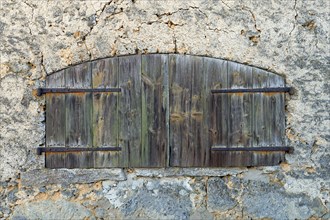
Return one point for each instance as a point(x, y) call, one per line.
point(42, 91)
point(274, 89)
point(75, 149)
point(286, 149)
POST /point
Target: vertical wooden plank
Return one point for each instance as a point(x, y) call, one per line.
point(55, 119)
point(130, 108)
point(240, 105)
point(105, 112)
point(187, 136)
point(154, 107)
point(78, 115)
point(55, 112)
point(216, 117)
point(198, 147)
point(180, 76)
point(166, 99)
point(55, 160)
point(79, 159)
point(277, 112)
point(268, 118)
point(248, 158)
point(260, 109)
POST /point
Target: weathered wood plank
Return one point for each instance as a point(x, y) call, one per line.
point(55, 120)
point(55, 160)
point(188, 143)
point(198, 146)
point(130, 109)
point(267, 115)
point(79, 159)
point(240, 106)
point(105, 112)
point(154, 107)
point(216, 117)
point(260, 109)
point(277, 112)
point(55, 112)
point(78, 107)
point(180, 76)
point(240, 158)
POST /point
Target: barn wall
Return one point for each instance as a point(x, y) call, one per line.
point(290, 38)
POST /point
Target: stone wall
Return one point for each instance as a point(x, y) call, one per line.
point(290, 38)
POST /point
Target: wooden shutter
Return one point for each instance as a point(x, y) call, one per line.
point(162, 110)
point(254, 119)
point(73, 113)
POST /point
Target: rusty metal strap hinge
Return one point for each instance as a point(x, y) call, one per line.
point(273, 89)
point(40, 150)
point(41, 91)
point(286, 149)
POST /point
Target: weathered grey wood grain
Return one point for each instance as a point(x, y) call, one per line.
point(55, 120)
point(196, 151)
point(105, 112)
point(78, 107)
point(239, 158)
point(276, 114)
point(55, 112)
point(55, 160)
point(130, 109)
point(79, 159)
point(268, 113)
point(240, 106)
point(154, 106)
point(260, 109)
point(217, 114)
point(180, 76)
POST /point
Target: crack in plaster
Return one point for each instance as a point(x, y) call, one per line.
point(225, 4)
point(42, 61)
point(253, 17)
point(83, 38)
point(32, 13)
point(180, 9)
point(295, 17)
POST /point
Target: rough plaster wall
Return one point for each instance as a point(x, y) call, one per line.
point(288, 37)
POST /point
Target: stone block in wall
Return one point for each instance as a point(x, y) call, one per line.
point(219, 197)
point(169, 172)
point(44, 177)
point(60, 209)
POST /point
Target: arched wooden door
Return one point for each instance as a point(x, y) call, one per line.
point(161, 110)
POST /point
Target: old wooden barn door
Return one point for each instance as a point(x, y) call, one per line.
point(163, 110)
